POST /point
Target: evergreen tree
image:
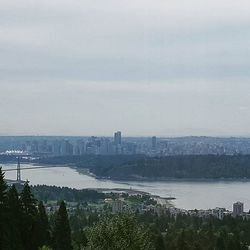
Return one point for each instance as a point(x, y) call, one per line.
point(14, 217)
point(79, 240)
point(220, 244)
point(28, 201)
point(181, 243)
point(3, 212)
point(43, 223)
point(29, 219)
point(62, 232)
point(159, 244)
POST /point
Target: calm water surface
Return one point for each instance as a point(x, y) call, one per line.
point(188, 194)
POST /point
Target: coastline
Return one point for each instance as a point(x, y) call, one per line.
point(87, 171)
point(171, 179)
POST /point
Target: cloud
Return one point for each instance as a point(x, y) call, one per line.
point(178, 65)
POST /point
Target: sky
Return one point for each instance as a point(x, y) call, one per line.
point(145, 67)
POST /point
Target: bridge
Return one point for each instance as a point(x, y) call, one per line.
point(18, 170)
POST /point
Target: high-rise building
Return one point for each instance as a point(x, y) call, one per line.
point(154, 142)
point(66, 148)
point(238, 208)
point(56, 147)
point(118, 138)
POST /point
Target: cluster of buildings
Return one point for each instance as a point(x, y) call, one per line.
point(151, 146)
point(59, 146)
point(219, 213)
point(119, 205)
point(79, 146)
point(140, 202)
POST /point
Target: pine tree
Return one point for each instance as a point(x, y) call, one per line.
point(44, 234)
point(29, 219)
point(28, 201)
point(220, 244)
point(62, 232)
point(159, 244)
point(14, 217)
point(3, 212)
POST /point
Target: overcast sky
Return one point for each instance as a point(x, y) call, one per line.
point(145, 67)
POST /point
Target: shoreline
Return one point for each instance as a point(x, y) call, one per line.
point(135, 178)
point(170, 179)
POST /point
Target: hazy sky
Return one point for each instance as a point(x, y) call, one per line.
point(145, 67)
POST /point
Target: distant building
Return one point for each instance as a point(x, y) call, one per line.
point(154, 141)
point(56, 147)
point(66, 148)
point(118, 138)
point(238, 208)
point(218, 213)
point(117, 206)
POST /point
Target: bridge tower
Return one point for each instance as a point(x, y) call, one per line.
point(18, 175)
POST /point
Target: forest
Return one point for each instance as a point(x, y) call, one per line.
point(178, 167)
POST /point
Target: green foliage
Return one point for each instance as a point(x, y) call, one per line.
point(46, 193)
point(62, 232)
point(28, 201)
point(45, 248)
point(182, 166)
point(15, 219)
point(44, 228)
point(25, 226)
point(29, 219)
point(79, 239)
point(119, 233)
point(3, 211)
point(197, 166)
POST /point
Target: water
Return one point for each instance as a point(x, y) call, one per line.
point(188, 194)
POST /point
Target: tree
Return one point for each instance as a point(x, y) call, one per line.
point(79, 239)
point(29, 219)
point(3, 211)
point(159, 244)
point(220, 244)
point(28, 200)
point(14, 217)
point(45, 248)
point(181, 243)
point(62, 232)
point(43, 223)
point(119, 232)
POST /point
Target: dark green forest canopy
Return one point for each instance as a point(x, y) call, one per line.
point(133, 167)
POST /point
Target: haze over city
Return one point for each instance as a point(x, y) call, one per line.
point(165, 68)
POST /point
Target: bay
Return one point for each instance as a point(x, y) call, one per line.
point(188, 194)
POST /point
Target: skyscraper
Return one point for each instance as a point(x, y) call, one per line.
point(154, 142)
point(118, 138)
point(238, 208)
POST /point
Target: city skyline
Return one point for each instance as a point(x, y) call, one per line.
point(174, 68)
